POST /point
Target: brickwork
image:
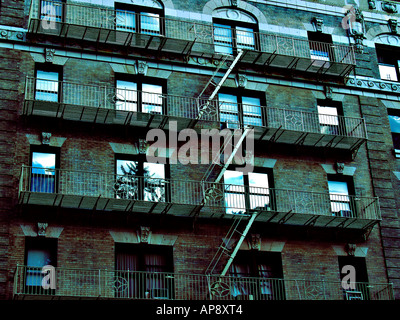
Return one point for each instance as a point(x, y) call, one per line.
point(86, 238)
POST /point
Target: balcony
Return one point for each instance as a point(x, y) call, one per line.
point(110, 105)
point(106, 284)
point(102, 24)
point(110, 192)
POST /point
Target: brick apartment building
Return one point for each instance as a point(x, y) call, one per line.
point(84, 82)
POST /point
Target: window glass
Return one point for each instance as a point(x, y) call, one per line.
point(150, 23)
point(251, 111)
point(47, 86)
point(126, 96)
point(125, 20)
point(43, 172)
point(394, 123)
point(152, 98)
point(328, 119)
point(229, 110)
point(388, 72)
point(259, 192)
point(223, 42)
point(51, 10)
point(339, 196)
point(245, 38)
point(235, 201)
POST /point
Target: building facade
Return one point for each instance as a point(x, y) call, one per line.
point(200, 149)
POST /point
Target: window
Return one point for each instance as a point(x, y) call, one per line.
point(341, 190)
point(329, 116)
point(139, 97)
point(140, 180)
point(320, 46)
point(47, 84)
point(388, 62)
point(242, 192)
point(39, 252)
point(51, 10)
point(140, 19)
point(230, 35)
point(394, 120)
point(237, 110)
point(266, 267)
point(44, 162)
point(143, 271)
point(361, 290)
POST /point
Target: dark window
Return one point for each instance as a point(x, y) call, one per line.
point(144, 271)
point(388, 62)
point(230, 35)
point(141, 180)
point(261, 265)
point(321, 46)
point(394, 120)
point(140, 19)
point(140, 95)
point(238, 110)
point(39, 252)
point(341, 193)
point(242, 192)
point(361, 290)
point(44, 163)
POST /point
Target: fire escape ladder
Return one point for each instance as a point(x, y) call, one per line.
point(204, 107)
point(224, 249)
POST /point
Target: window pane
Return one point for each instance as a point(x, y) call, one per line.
point(388, 72)
point(245, 38)
point(234, 192)
point(258, 189)
point(126, 96)
point(394, 123)
point(152, 98)
point(47, 86)
point(223, 39)
point(42, 161)
point(51, 10)
point(251, 111)
point(127, 167)
point(125, 20)
point(319, 55)
point(229, 111)
point(126, 184)
point(36, 258)
point(150, 23)
point(328, 119)
point(154, 185)
point(339, 195)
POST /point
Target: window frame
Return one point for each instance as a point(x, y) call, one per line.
point(232, 25)
point(319, 37)
point(395, 135)
point(386, 57)
point(50, 68)
point(340, 128)
point(39, 243)
point(246, 189)
point(138, 13)
point(141, 80)
point(351, 194)
point(46, 150)
point(239, 94)
point(141, 160)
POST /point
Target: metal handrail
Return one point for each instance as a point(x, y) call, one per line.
point(114, 98)
point(126, 284)
point(234, 199)
point(107, 18)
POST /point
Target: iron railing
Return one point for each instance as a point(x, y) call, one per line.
point(64, 19)
point(227, 198)
point(96, 283)
point(105, 97)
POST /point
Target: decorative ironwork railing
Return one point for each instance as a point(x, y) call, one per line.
point(89, 283)
point(119, 26)
point(99, 97)
point(226, 198)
